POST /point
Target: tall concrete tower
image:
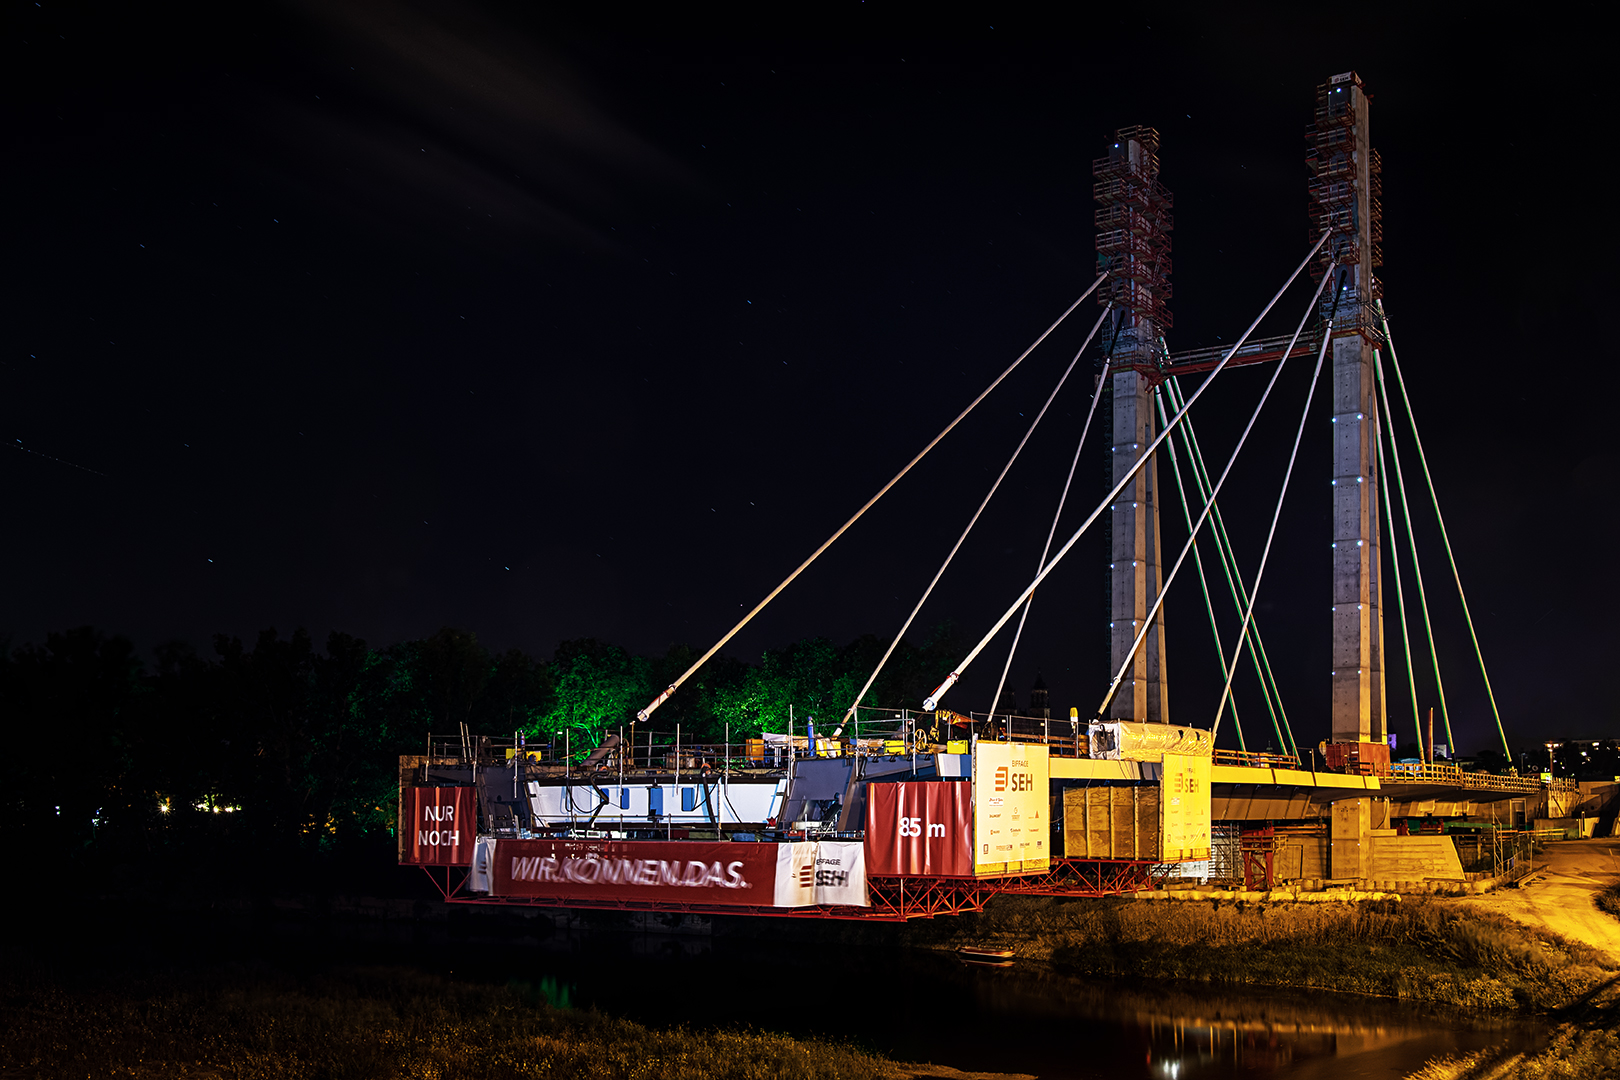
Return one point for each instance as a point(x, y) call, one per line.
point(1344, 198)
point(1133, 244)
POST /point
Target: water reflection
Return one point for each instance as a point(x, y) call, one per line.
point(1185, 1032)
point(924, 1006)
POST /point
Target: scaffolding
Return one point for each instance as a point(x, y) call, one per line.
point(1133, 244)
point(1343, 169)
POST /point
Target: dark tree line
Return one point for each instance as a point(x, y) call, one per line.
point(283, 748)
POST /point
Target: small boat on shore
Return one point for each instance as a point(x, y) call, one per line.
point(975, 954)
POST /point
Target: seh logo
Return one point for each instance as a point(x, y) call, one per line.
point(1006, 780)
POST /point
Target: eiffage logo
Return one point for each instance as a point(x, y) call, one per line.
point(1011, 781)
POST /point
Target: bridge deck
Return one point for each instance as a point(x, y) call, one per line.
point(1274, 790)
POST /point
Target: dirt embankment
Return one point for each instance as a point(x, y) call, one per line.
point(1562, 894)
point(1549, 945)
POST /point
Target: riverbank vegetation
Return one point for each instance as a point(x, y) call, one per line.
point(1609, 899)
point(282, 749)
point(1588, 1050)
point(1418, 949)
point(237, 1024)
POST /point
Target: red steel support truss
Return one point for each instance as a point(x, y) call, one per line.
point(1084, 877)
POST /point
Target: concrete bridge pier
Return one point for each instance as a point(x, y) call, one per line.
point(1350, 856)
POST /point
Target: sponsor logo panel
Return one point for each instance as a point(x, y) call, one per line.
point(1010, 809)
point(830, 872)
point(1185, 814)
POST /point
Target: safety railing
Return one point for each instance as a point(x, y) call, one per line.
point(1256, 760)
point(1452, 776)
point(665, 753)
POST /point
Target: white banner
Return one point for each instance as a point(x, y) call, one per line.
point(795, 875)
point(841, 874)
point(827, 873)
point(483, 859)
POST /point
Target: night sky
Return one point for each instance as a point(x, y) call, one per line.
point(384, 318)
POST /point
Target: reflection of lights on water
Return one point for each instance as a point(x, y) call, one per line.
point(1170, 1068)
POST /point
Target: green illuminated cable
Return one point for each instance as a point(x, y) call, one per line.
point(1240, 597)
point(1411, 540)
point(1445, 538)
point(1400, 593)
point(1203, 583)
point(1239, 592)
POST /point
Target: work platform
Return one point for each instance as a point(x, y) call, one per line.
point(893, 828)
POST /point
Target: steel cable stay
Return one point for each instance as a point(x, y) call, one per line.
point(1411, 543)
point(1096, 395)
point(1203, 515)
point(1400, 591)
point(643, 714)
point(1235, 585)
point(932, 701)
point(972, 521)
point(1445, 537)
point(1276, 515)
point(1198, 561)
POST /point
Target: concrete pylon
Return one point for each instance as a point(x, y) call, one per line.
point(1133, 246)
point(1344, 200)
point(1135, 565)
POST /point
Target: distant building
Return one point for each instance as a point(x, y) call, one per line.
point(1040, 700)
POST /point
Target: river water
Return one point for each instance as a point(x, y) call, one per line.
point(922, 1006)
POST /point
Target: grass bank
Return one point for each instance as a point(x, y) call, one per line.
point(1577, 1051)
point(375, 1022)
point(1609, 899)
point(1416, 949)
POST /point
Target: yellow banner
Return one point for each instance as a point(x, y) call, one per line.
point(1184, 810)
point(1011, 804)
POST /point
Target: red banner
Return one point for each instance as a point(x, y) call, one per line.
point(440, 826)
point(691, 873)
point(919, 829)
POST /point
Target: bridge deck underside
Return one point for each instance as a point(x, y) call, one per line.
point(1293, 802)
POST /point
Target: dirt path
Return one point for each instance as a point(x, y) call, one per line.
point(1559, 895)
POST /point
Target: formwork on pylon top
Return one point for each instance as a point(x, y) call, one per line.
point(1133, 230)
point(1344, 168)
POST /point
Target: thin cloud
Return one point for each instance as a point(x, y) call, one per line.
point(448, 123)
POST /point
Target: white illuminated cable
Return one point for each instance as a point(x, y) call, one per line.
point(1198, 560)
point(1209, 504)
point(1265, 553)
point(933, 699)
point(814, 555)
point(1235, 587)
point(1096, 396)
point(971, 522)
